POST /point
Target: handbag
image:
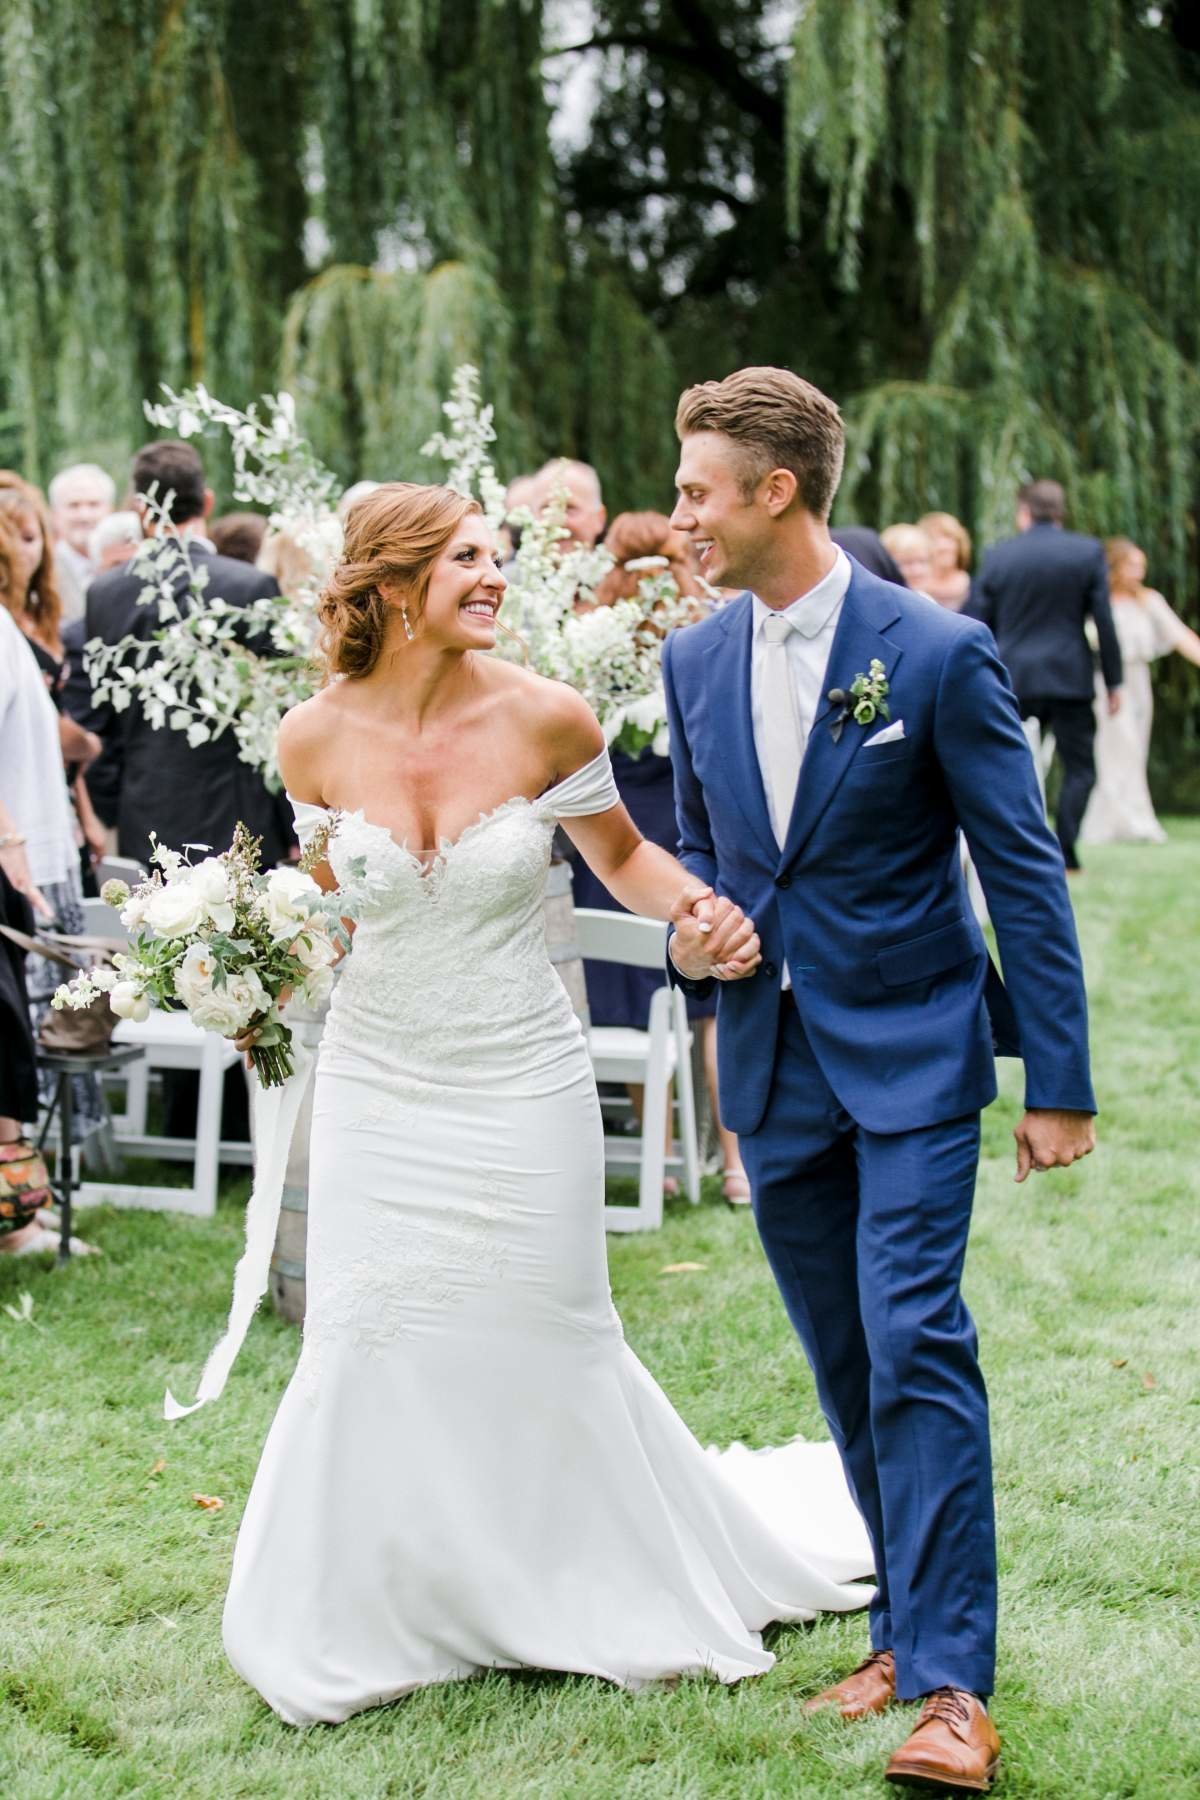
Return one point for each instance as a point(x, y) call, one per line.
point(88, 1030)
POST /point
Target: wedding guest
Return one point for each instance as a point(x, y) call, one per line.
point(949, 581)
point(1120, 809)
point(1037, 592)
point(517, 496)
point(37, 828)
point(293, 566)
point(644, 544)
point(358, 491)
point(80, 496)
point(33, 600)
point(866, 547)
point(158, 781)
point(585, 515)
point(239, 534)
point(111, 544)
point(913, 554)
point(24, 1189)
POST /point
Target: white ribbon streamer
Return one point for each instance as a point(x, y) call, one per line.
point(275, 1112)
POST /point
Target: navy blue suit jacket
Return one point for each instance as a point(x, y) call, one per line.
point(866, 901)
point(1037, 591)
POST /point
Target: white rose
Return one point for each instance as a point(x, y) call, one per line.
point(128, 1001)
point(313, 949)
point(194, 976)
point(210, 879)
point(287, 898)
point(175, 911)
point(315, 989)
point(133, 913)
point(229, 1009)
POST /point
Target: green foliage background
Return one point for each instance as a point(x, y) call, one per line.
point(976, 222)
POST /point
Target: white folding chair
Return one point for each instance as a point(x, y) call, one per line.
point(653, 1057)
point(120, 868)
point(170, 1041)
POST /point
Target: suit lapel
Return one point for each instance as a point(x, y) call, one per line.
point(729, 709)
point(858, 639)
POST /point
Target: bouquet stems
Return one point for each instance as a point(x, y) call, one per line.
point(272, 1059)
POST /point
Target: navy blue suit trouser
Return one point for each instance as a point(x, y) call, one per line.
point(866, 1236)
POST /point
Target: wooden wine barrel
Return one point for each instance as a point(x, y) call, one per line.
point(291, 1236)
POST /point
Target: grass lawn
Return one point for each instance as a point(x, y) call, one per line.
point(1084, 1286)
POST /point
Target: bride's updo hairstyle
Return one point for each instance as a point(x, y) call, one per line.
point(394, 534)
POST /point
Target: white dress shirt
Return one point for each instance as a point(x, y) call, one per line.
point(814, 618)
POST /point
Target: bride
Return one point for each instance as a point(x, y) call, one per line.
point(470, 1469)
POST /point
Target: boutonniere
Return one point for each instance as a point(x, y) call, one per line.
point(864, 703)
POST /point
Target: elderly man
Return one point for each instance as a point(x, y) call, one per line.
point(585, 516)
point(80, 497)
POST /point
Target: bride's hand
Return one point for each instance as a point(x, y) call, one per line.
point(246, 1040)
point(713, 937)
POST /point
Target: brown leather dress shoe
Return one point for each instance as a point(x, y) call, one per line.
point(870, 1688)
point(954, 1747)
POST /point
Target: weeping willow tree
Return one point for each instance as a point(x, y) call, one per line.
point(361, 191)
point(976, 222)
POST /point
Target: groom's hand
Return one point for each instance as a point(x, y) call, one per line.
point(1053, 1140)
point(713, 937)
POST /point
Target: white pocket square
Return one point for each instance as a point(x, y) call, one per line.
point(890, 734)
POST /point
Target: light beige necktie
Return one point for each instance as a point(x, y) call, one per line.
point(783, 744)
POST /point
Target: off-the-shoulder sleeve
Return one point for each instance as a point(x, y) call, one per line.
point(589, 790)
point(309, 819)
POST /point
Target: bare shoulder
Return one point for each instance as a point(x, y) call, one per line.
point(559, 716)
point(302, 742)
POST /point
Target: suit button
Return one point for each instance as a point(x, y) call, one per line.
point(783, 881)
point(770, 971)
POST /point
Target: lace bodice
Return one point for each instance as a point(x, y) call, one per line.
point(449, 978)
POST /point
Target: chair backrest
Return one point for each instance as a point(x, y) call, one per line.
point(120, 868)
point(101, 921)
point(621, 938)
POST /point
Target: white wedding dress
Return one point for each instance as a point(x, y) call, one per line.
point(470, 1469)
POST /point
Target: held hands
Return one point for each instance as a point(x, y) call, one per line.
point(1052, 1140)
point(712, 937)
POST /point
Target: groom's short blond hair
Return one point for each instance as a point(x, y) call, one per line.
point(778, 421)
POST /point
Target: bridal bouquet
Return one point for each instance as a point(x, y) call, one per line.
point(227, 943)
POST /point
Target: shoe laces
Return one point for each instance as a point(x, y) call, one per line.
point(877, 1658)
point(949, 1704)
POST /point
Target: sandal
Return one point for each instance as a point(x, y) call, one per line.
point(736, 1187)
point(43, 1240)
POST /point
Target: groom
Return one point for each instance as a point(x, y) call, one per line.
point(831, 735)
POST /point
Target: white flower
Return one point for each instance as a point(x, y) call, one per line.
point(194, 976)
point(315, 989)
point(175, 910)
point(229, 1009)
point(287, 896)
point(105, 980)
point(313, 949)
point(115, 894)
point(128, 1001)
point(210, 879)
point(133, 913)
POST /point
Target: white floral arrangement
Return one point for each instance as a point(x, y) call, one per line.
point(227, 943)
point(611, 654)
point(207, 667)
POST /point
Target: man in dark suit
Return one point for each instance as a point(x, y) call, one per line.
point(157, 781)
point(1037, 592)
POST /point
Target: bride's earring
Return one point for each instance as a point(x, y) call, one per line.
point(408, 630)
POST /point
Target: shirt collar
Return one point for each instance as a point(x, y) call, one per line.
point(812, 612)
